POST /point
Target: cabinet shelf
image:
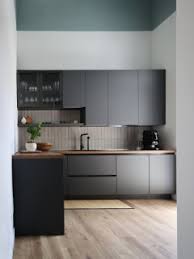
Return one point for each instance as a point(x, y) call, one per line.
point(55, 125)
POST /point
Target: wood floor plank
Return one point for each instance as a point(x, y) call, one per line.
point(146, 232)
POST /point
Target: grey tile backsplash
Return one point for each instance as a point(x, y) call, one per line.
point(69, 137)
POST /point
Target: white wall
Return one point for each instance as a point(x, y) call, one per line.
point(164, 56)
point(185, 127)
point(8, 123)
point(84, 50)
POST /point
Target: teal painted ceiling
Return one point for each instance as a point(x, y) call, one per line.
point(162, 9)
point(92, 15)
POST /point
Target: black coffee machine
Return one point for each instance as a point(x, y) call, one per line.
point(150, 140)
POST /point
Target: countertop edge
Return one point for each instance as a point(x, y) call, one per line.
point(62, 153)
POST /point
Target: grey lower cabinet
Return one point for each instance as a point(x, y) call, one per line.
point(91, 175)
point(123, 98)
point(73, 89)
point(96, 96)
point(162, 174)
point(132, 174)
point(91, 165)
point(151, 97)
point(38, 192)
point(117, 175)
point(91, 186)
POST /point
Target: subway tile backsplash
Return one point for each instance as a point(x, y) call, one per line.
point(69, 137)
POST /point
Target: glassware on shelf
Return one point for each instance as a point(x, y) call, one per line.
point(56, 85)
point(21, 101)
point(24, 85)
point(32, 100)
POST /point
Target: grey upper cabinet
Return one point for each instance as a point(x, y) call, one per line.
point(162, 174)
point(132, 174)
point(39, 90)
point(73, 89)
point(96, 96)
point(151, 97)
point(123, 98)
point(120, 97)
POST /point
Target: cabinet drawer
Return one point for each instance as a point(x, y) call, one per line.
point(92, 185)
point(87, 165)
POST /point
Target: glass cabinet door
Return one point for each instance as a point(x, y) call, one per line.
point(50, 89)
point(39, 89)
point(28, 92)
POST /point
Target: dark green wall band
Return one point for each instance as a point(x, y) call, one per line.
point(89, 15)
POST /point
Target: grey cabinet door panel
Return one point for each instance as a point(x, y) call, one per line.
point(123, 98)
point(73, 89)
point(145, 98)
point(91, 165)
point(151, 97)
point(96, 98)
point(162, 174)
point(159, 97)
point(92, 185)
point(132, 174)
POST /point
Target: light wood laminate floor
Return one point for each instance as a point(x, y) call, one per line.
point(146, 232)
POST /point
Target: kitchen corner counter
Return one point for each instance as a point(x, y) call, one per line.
point(49, 155)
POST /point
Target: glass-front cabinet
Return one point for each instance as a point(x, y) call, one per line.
point(41, 90)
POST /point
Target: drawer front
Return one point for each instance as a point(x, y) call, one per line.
point(92, 185)
point(87, 165)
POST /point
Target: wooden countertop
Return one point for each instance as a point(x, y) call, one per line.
point(61, 153)
point(118, 152)
point(49, 155)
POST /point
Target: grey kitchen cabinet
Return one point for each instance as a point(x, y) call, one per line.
point(85, 165)
point(123, 97)
point(26, 82)
point(38, 192)
point(151, 97)
point(132, 174)
point(73, 89)
point(91, 175)
point(104, 185)
point(39, 90)
point(162, 174)
point(96, 96)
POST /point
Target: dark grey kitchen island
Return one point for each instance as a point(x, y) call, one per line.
point(38, 190)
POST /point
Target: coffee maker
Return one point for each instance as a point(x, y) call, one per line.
point(150, 140)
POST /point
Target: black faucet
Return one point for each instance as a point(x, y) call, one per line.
point(81, 141)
